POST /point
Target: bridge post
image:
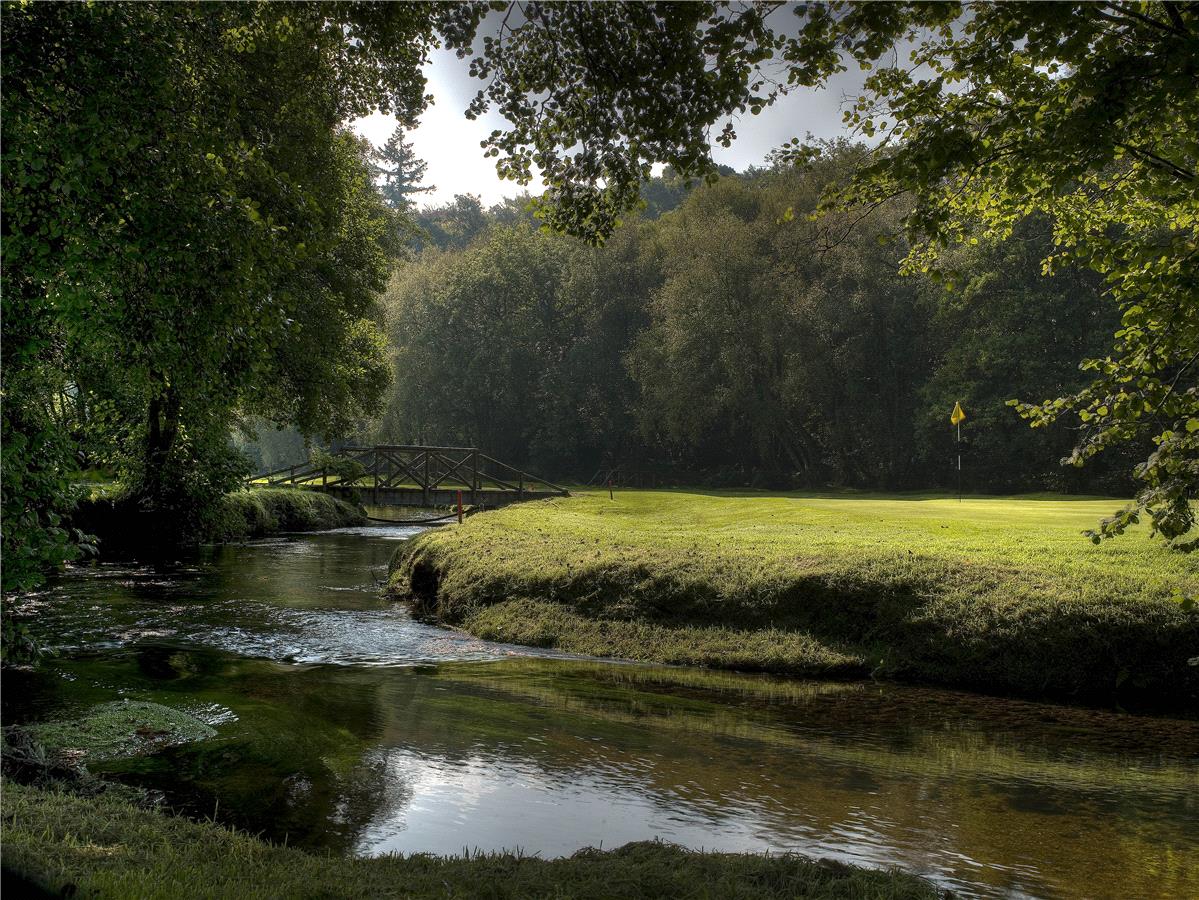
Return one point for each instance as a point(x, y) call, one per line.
point(375, 471)
point(474, 478)
point(425, 484)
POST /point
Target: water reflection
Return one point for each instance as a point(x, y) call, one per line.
point(353, 753)
point(548, 756)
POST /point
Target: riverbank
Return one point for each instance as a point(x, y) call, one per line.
point(121, 527)
point(265, 511)
point(1000, 595)
point(105, 846)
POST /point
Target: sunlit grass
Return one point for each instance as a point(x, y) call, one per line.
point(1001, 593)
point(262, 511)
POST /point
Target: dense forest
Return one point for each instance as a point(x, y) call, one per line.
point(723, 337)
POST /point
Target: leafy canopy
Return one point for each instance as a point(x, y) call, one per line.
point(596, 93)
point(189, 235)
point(1086, 113)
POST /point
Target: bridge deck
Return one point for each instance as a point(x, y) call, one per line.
point(411, 475)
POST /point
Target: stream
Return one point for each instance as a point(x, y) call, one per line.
point(345, 725)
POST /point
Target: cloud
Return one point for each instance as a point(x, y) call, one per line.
point(447, 140)
point(450, 143)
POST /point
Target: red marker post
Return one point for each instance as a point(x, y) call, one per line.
point(459, 506)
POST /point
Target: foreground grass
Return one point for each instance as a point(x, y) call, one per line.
point(107, 847)
point(995, 594)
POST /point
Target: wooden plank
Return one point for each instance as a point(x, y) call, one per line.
point(425, 483)
point(525, 476)
point(412, 448)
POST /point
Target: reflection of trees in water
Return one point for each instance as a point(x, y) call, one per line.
point(1058, 796)
point(376, 792)
point(943, 776)
point(292, 571)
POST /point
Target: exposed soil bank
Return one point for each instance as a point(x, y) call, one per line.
point(108, 847)
point(122, 528)
point(1003, 598)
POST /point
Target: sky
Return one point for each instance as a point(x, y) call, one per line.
point(449, 142)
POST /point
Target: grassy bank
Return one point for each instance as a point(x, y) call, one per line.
point(123, 527)
point(993, 594)
point(107, 847)
point(263, 511)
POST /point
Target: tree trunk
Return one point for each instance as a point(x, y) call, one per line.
point(163, 427)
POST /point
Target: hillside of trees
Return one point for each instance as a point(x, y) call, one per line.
point(723, 337)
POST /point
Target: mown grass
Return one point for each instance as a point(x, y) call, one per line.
point(262, 511)
point(107, 847)
point(995, 594)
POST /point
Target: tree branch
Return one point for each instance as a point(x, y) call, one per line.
point(1125, 13)
point(1159, 162)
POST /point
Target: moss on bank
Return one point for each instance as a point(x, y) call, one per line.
point(107, 847)
point(118, 729)
point(263, 511)
point(123, 528)
point(999, 595)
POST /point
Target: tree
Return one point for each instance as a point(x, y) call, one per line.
point(401, 170)
point(188, 235)
point(454, 224)
point(610, 289)
point(1084, 113)
point(767, 354)
point(477, 337)
point(1008, 329)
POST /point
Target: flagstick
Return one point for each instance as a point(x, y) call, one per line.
point(959, 426)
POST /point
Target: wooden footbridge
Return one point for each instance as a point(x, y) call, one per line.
point(404, 475)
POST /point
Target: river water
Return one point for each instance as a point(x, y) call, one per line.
point(345, 725)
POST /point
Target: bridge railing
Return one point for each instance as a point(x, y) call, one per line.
point(405, 466)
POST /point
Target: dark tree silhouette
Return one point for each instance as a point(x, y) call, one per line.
point(401, 170)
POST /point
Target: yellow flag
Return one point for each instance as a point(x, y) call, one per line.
point(958, 415)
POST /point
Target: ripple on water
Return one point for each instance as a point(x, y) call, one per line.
point(383, 532)
point(383, 637)
point(309, 599)
point(213, 714)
